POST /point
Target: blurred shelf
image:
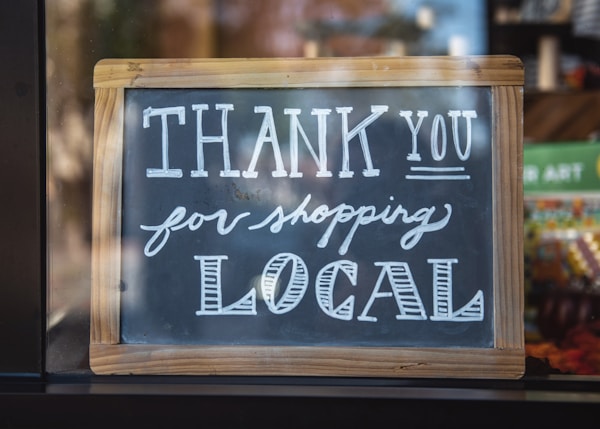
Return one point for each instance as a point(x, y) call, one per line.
point(561, 115)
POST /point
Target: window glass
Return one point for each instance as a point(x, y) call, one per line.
point(81, 32)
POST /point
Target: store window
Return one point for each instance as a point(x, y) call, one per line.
point(81, 32)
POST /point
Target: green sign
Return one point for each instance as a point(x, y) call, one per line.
point(561, 167)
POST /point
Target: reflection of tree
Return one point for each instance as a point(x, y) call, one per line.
point(79, 34)
point(268, 28)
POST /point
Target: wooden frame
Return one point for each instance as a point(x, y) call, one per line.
point(504, 74)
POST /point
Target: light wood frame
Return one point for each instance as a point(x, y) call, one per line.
point(504, 74)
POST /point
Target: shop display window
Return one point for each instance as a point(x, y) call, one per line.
point(562, 229)
point(562, 256)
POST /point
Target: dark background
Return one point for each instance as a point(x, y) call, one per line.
point(21, 197)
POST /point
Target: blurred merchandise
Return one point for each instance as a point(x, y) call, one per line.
point(562, 255)
point(583, 76)
point(546, 10)
point(578, 353)
point(586, 17)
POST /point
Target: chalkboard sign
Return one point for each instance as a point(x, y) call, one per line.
point(353, 217)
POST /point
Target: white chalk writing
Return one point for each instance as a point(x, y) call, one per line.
point(359, 216)
point(431, 155)
point(338, 215)
point(176, 221)
point(404, 290)
point(210, 290)
point(267, 133)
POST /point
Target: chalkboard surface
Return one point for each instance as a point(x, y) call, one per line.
point(352, 216)
point(435, 199)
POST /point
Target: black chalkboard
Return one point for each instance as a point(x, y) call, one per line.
point(407, 209)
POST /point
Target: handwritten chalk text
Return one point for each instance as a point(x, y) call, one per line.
point(268, 135)
point(394, 275)
point(420, 221)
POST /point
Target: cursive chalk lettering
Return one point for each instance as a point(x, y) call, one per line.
point(175, 221)
point(421, 222)
point(359, 216)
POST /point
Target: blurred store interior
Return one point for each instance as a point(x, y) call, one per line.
point(558, 41)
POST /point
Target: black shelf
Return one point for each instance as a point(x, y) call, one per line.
point(300, 402)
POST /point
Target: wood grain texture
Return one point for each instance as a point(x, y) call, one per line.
point(106, 216)
point(505, 360)
point(508, 216)
point(306, 361)
point(309, 72)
